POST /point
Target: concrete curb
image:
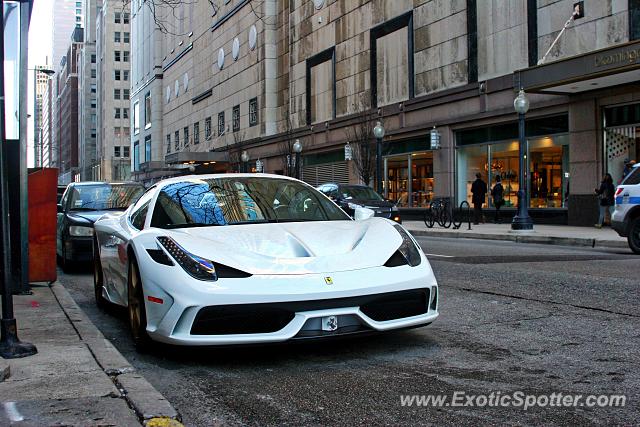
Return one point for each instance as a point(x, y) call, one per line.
point(5, 370)
point(548, 240)
point(142, 397)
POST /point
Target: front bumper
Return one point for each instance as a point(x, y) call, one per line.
point(79, 249)
point(277, 308)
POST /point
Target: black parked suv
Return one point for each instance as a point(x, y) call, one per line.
point(81, 205)
point(349, 197)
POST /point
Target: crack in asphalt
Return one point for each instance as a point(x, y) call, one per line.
point(583, 307)
point(516, 320)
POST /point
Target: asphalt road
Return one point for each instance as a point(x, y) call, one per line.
point(534, 319)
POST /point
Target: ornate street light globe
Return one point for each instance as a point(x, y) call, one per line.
point(521, 103)
point(244, 156)
point(378, 130)
point(297, 147)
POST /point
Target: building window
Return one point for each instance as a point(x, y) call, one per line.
point(221, 123)
point(177, 140)
point(136, 156)
point(125, 75)
point(116, 94)
point(78, 4)
point(126, 149)
point(116, 74)
point(125, 93)
point(125, 18)
point(125, 113)
point(125, 56)
point(136, 118)
point(117, 132)
point(116, 115)
point(125, 37)
point(78, 18)
point(116, 151)
point(253, 112)
point(320, 85)
point(94, 103)
point(168, 143)
point(147, 110)
point(147, 148)
point(392, 61)
point(186, 136)
point(93, 133)
point(207, 128)
point(94, 88)
point(93, 73)
point(93, 58)
point(116, 55)
point(196, 133)
point(116, 37)
point(126, 131)
point(235, 118)
point(117, 17)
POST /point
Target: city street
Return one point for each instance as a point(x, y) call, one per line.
point(538, 319)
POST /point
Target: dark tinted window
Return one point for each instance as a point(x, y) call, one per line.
point(359, 193)
point(242, 200)
point(104, 196)
point(633, 178)
point(138, 218)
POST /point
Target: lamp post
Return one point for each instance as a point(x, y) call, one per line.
point(522, 221)
point(378, 132)
point(297, 149)
point(244, 157)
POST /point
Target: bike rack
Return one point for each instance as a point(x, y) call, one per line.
point(458, 225)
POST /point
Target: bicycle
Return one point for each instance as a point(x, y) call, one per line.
point(439, 212)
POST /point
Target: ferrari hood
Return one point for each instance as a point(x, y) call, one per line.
point(293, 247)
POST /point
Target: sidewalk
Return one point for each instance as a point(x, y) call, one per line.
point(546, 234)
point(77, 378)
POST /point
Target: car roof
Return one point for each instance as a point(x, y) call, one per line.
point(223, 176)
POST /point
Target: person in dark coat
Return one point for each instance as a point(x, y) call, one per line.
point(606, 196)
point(497, 193)
point(479, 191)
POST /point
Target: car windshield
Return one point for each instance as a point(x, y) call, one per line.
point(104, 196)
point(359, 193)
point(240, 200)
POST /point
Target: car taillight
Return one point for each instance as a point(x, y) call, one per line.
point(619, 190)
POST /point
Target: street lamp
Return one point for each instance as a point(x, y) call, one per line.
point(297, 149)
point(522, 221)
point(378, 132)
point(244, 157)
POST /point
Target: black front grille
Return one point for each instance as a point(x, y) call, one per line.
point(271, 317)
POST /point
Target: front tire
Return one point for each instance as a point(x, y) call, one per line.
point(98, 279)
point(633, 237)
point(136, 308)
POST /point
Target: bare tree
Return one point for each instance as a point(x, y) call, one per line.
point(285, 147)
point(164, 10)
point(234, 155)
point(363, 147)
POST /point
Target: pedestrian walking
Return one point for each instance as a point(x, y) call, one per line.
point(606, 198)
point(497, 193)
point(479, 192)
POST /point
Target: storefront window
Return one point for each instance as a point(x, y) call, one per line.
point(548, 165)
point(471, 160)
point(413, 189)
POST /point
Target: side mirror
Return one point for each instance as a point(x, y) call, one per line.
point(59, 208)
point(363, 213)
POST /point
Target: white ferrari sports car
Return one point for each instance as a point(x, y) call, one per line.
point(257, 258)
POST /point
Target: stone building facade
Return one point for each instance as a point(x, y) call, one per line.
point(253, 76)
point(87, 93)
point(113, 92)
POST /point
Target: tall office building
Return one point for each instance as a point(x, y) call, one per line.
point(87, 92)
point(113, 47)
point(41, 83)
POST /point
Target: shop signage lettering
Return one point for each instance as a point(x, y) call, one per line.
point(625, 57)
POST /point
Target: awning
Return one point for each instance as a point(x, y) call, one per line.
point(197, 157)
point(599, 69)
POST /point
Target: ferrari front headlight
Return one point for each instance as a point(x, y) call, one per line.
point(80, 231)
point(408, 248)
point(197, 267)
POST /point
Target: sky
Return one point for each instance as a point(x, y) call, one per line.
point(39, 49)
